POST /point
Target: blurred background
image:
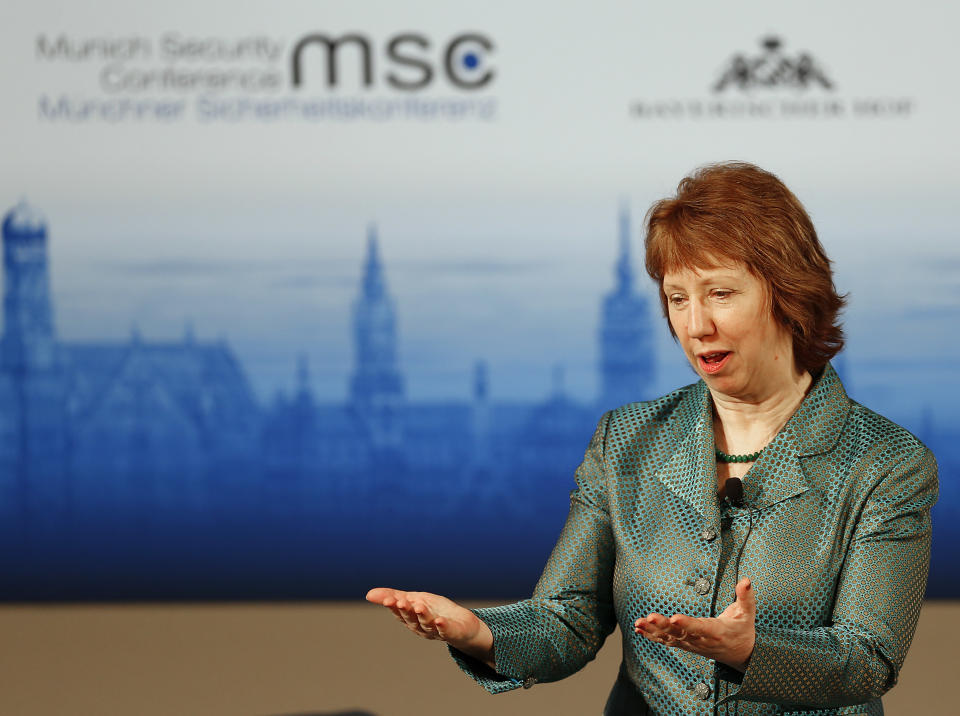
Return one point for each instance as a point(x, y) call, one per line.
point(302, 298)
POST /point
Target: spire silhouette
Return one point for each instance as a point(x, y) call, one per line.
point(626, 341)
point(374, 285)
point(376, 387)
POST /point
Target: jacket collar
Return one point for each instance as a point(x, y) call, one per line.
point(778, 474)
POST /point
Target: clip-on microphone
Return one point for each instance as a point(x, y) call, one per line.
point(732, 491)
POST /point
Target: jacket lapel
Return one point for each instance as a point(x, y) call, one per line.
point(813, 429)
point(778, 474)
point(690, 473)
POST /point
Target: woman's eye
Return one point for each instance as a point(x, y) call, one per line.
point(722, 294)
point(676, 299)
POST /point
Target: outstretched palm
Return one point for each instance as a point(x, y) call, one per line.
point(432, 616)
point(728, 638)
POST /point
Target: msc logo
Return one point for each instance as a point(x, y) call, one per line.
point(408, 60)
point(772, 68)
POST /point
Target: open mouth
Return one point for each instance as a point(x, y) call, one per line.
point(712, 362)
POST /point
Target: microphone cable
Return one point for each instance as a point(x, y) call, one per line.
point(732, 494)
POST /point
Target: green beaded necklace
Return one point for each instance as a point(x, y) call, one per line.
point(723, 457)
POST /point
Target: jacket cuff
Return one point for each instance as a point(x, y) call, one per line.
point(486, 677)
point(508, 647)
point(748, 685)
point(768, 658)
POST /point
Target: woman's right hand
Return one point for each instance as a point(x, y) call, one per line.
point(434, 617)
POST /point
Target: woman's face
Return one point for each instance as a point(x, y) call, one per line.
point(722, 318)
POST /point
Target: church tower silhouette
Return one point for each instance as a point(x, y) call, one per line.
point(626, 340)
point(28, 339)
point(32, 390)
point(376, 387)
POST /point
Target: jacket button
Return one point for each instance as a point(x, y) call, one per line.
point(701, 586)
point(709, 534)
point(529, 681)
point(702, 691)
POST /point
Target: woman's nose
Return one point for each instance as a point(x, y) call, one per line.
point(699, 322)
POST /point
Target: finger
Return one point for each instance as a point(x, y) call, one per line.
point(746, 596)
point(700, 632)
point(379, 594)
point(644, 628)
point(683, 635)
point(685, 627)
point(655, 628)
point(386, 598)
point(651, 635)
point(648, 626)
point(657, 638)
point(424, 616)
point(407, 614)
point(658, 621)
point(399, 617)
point(694, 647)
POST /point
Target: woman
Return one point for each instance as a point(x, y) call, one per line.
point(761, 540)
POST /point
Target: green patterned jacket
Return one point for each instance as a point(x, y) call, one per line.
point(838, 513)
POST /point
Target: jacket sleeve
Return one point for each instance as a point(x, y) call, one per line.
point(564, 624)
point(858, 656)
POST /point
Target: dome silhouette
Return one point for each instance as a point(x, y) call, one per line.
point(24, 220)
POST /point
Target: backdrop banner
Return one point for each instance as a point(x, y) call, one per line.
point(303, 298)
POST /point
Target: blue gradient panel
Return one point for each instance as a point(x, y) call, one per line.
point(138, 469)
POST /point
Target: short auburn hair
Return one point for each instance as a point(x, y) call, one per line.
point(740, 213)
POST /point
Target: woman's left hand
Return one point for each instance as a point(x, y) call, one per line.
point(728, 638)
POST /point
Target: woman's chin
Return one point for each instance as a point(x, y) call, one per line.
point(725, 383)
point(725, 380)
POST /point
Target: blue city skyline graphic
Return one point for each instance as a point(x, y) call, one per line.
point(150, 470)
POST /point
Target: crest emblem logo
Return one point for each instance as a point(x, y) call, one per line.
point(772, 68)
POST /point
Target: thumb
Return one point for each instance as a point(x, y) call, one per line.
point(745, 596)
